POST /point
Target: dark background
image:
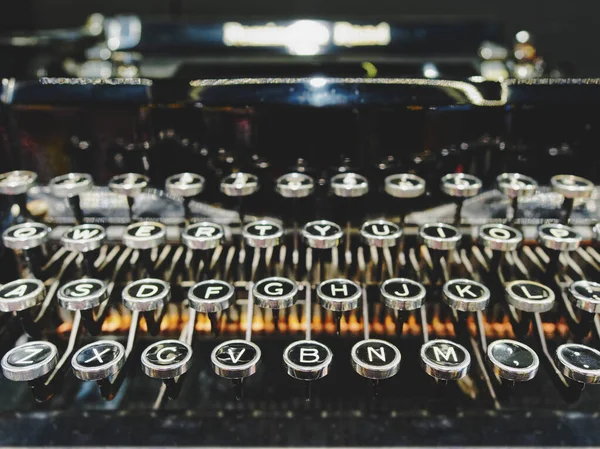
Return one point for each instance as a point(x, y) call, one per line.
point(563, 31)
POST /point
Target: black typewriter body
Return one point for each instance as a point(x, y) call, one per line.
point(239, 118)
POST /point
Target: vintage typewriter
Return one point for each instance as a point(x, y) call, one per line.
point(296, 233)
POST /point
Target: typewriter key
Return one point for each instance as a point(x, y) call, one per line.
point(339, 295)
point(275, 293)
point(466, 295)
point(16, 184)
point(144, 235)
point(86, 239)
point(235, 359)
point(529, 296)
point(571, 187)
point(585, 295)
point(460, 186)
point(186, 186)
point(515, 186)
point(130, 185)
point(558, 237)
point(579, 363)
point(98, 360)
point(380, 233)
point(512, 360)
point(322, 234)
point(307, 360)
point(295, 185)
point(21, 294)
point(262, 233)
point(204, 235)
point(445, 360)
point(166, 359)
point(440, 236)
point(240, 184)
point(70, 186)
point(375, 359)
point(349, 185)
point(29, 361)
point(146, 295)
point(404, 185)
point(211, 297)
point(499, 237)
point(25, 236)
point(402, 294)
point(82, 294)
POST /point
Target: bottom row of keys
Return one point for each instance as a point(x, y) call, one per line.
point(304, 360)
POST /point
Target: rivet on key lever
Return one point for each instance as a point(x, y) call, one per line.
point(202, 237)
point(84, 295)
point(515, 186)
point(186, 186)
point(16, 184)
point(167, 360)
point(500, 239)
point(445, 360)
point(404, 186)
point(145, 236)
point(70, 186)
point(579, 363)
point(529, 297)
point(30, 362)
point(99, 360)
point(307, 360)
point(28, 237)
point(236, 360)
point(557, 238)
point(375, 360)
point(86, 239)
point(513, 361)
point(460, 186)
point(239, 185)
point(571, 187)
point(147, 296)
point(19, 296)
point(402, 295)
point(339, 295)
point(211, 297)
point(130, 185)
point(275, 293)
point(321, 235)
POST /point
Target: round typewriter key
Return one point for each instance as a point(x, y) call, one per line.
point(83, 238)
point(380, 233)
point(29, 361)
point(516, 185)
point(404, 185)
point(402, 294)
point(559, 237)
point(166, 359)
point(529, 296)
point(144, 235)
point(460, 185)
point(21, 294)
point(349, 185)
point(499, 237)
point(585, 295)
point(240, 184)
point(82, 294)
point(440, 236)
point(71, 184)
point(322, 234)
point(275, 293)
point(25, 235)
point(571, 186)
point(579, 362)
point(375, 359)
point(210, 296)
point(235, 359)
point(513, 360)
point(307, 360)
point(203, 235)
point(128, 184)
point(445, 360)
point(262, 233)
point(98, 360)
point(295, 185)
point(339, 295)
point(185, 185)
point(146, 294)
point(466, 295)
point(17, 182)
